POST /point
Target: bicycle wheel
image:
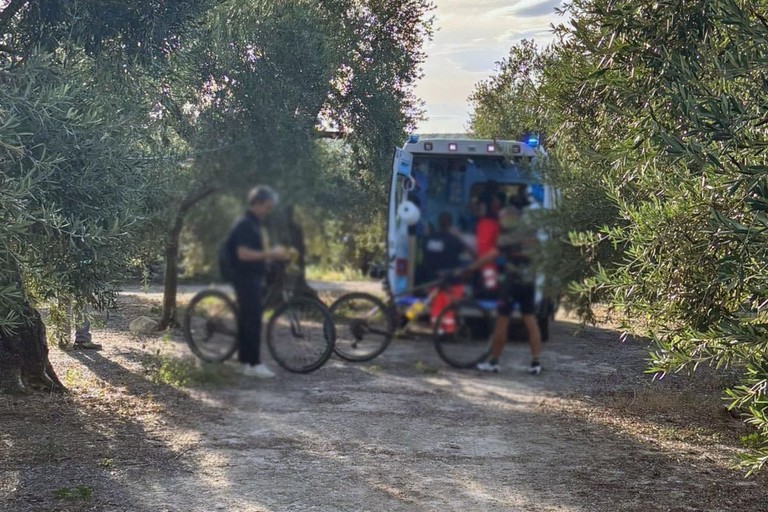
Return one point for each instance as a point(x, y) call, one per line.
point(462, 334)
point(301, 335)
point(210, 326)
point(364, 327)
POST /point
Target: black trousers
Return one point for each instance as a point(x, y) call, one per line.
point(248, 292)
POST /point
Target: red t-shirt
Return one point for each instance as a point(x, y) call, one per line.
point(487, 232)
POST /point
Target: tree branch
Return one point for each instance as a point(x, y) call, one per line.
point(9, 12)
point(195, 197)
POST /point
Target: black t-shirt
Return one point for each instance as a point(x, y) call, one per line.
point(441, 252)
point(246, 233)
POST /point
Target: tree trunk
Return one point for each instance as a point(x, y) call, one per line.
point(24, 364)
point(291, 234)
point(296, 236)
point(171, 279)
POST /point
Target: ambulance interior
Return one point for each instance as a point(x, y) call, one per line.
point(453, 185)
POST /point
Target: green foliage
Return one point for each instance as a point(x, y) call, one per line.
point(82, 189)
point(73, 192)
point(317, 273)
point(508, 104)
point(338, 64)
point(380, 52)
point(142, 29)
point(345, 223)
point(537, 90)
point(81, 492)
point(260, 77)
point(117, 119)
point(184, 372)
point(655, 116)
point(92, 132)
point(690, 187)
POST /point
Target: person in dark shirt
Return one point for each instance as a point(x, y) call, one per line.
point(442, 253)
point(442, 249)
point(249, 249)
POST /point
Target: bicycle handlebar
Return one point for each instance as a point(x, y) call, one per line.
point(443, 280)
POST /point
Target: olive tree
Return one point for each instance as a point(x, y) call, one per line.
point(267, 75)
point(72, 195)
point(676, 102)
point(656, 116)
point(77, 189)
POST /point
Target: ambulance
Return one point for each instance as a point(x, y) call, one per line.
point(435, 178)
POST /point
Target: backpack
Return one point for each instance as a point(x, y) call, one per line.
point(226, 265)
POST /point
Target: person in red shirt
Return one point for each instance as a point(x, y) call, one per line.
point(515, 244)
point(487, 232)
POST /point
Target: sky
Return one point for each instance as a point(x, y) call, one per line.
point(471, 37)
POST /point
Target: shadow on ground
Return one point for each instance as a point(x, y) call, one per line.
point(403, 432)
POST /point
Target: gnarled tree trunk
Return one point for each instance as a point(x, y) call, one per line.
point(24, 364)
point(171, 280)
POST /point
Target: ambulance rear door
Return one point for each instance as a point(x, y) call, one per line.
point(397, 231)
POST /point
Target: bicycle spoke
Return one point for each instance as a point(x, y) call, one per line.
point(462, 334)
point(210, 325)
point(298, 335)
point(364, 327)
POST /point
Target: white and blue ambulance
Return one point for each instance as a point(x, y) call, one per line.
point(440, 176)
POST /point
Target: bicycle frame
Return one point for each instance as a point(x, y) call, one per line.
point(436, 286)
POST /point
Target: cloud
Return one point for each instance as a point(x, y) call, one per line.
point(445, 118)
point(474, 61)
point(472, 37)
point(478, 6)
point(526, 8)
point(542, 35)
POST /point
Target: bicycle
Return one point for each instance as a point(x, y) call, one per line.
point(300, 332)
point(366, 325)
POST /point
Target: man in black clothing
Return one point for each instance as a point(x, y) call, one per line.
point(442, 253)
point(442, 249)
point(248, 248)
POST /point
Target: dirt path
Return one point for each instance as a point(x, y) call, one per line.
point(404, 432)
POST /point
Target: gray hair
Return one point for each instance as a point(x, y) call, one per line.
point(262, 194)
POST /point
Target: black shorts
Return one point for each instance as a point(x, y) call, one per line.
point(513, 291)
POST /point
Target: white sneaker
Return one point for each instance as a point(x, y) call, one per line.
point(488, 366)
point(259, 371)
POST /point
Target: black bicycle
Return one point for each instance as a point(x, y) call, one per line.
point(365, 325)
point(300, 331)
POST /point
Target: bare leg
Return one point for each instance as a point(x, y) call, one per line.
point(500, 334)
point(534, 335)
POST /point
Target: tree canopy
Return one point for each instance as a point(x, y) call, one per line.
point(655, 116)
point(117, 118)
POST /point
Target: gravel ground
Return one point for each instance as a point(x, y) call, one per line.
point(403, 432)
